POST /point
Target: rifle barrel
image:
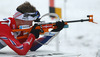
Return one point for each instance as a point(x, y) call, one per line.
point(82, 20)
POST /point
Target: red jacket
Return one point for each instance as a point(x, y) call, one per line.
point(7, 36)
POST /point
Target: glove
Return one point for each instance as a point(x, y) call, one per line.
point(60, 25)
point(35, 31)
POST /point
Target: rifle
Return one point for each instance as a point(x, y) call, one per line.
point(44, 27)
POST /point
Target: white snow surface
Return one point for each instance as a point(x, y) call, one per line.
point(79, 38)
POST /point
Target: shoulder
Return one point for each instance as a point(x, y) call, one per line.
point(10, 22)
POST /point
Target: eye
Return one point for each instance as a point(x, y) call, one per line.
point(26, 15)
point(33, 15)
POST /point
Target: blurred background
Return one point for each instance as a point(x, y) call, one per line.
point(82, 38)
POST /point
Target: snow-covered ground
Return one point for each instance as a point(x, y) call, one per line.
point(80, 38)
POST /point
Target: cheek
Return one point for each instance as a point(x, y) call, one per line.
point(19, 23)
point(24, 23)
point(28, 23)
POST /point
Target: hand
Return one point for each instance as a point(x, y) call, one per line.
point(35, 31)
point(60, 25)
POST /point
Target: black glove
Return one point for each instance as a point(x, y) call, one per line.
point(59, 25)
point(35, 31)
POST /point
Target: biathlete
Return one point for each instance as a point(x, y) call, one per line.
point(25, 15)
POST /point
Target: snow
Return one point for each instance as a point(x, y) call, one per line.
point(79, 38)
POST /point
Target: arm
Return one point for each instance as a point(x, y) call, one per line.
point(7, 36)
point(47, 37)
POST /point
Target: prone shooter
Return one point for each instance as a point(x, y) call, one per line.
point(20, 37)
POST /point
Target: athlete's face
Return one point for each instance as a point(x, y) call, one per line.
point(23, 22)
